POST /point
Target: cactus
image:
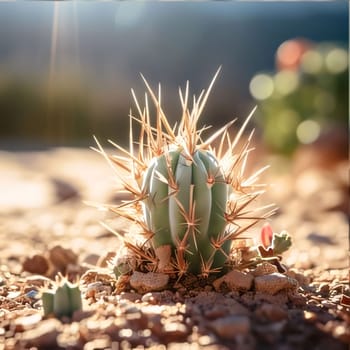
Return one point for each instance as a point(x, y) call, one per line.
point(189, 199)
point(63, 300)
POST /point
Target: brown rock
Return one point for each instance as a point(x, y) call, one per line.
point(271, 312)
point(62, 257)
point(300, 277)
point(273, 283)
point(36, 264)
point(280, 298)
point(264, 268)
point(235, 280)
point(231, 326)
point(175, 331)
point(148, 282)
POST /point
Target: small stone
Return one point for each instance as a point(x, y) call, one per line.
point(133, 297)
point(235, 280)
point(27, 322)
point(275, 282)
point(302, 279)
point(175, 331)
point(99, 343)
point(64, 190)
point(91, 259)
point(37, 264)
point(231, 326)
point(271, 312)
point(151, 298)
point(280, 298)
point(264, 268)
point(148, 282)
point(323, 289)
point(43, 336)
point(62, 257)
point(97, 288)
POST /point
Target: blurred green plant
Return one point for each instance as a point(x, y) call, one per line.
point(63, 300)
point(307, 93)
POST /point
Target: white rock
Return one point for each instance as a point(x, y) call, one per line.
point(274, 282)
point(148, 282)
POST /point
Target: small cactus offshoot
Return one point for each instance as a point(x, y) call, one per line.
point(190, 199)
point(63, 300)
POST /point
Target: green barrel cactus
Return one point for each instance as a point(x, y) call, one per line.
point(191, 214)
point(63, 300)
point(190, 199)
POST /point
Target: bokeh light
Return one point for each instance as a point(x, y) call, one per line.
point(337, 60)
point(261, 86)
point(312, 62)
point(308, 131)
point(286, 81)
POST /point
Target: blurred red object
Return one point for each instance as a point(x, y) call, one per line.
point(266, 235)
point(290, 53)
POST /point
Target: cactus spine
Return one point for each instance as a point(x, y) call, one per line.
point(190, 200)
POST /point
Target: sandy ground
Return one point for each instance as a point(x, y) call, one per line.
point(43, 206)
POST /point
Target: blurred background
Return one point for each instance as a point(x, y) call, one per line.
point(66, 68)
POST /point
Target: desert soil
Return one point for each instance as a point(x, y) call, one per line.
point(46, 226)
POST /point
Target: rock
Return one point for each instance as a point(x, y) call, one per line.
point(273, 283)
point(175, 331)
point(64, 190)
point(43, 336)
point(61, 257)
point(264, 268)
point(37, 264)
point(301, 278)
point(231, 326)
point(91, 259)
point(96, 289)
point(271, 312)
point(235, 280)
point(99, 343)
point(148, 282)
point(280, 298)
point(27, 322)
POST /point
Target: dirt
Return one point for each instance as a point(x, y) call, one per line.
point(47, 225)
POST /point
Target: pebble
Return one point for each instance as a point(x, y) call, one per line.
point(235, 280)
point(300, 277)
point(43, 336)
point(231, 326)
point(97, 288)
point(175, 331)
point(91, 259)
point(273, 283)
point(96, 344)
point(148, 282)
point(271, 312)
point(264, 268)
point(62, 257)
point(27, 322)
point(37, 264)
